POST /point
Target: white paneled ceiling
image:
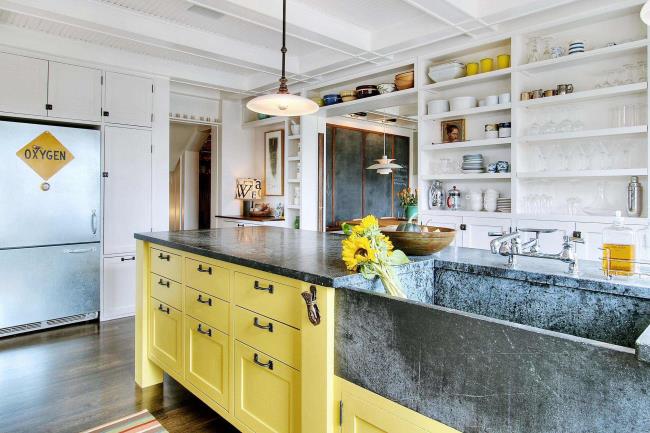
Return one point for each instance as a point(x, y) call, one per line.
point(234, 44)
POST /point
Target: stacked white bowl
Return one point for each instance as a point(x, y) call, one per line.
point(576, 47)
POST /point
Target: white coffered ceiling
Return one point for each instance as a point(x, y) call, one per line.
point(234, 44)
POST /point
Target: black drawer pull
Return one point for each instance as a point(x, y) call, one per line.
point(126, 259)
point(256, 323)
point(167, 257)
point(257, 286)
point(163, 309)
point(201, 331)
point(200, 299)
point(256, 360)
point(105, 113)
point(161, 282)
point(209, 270)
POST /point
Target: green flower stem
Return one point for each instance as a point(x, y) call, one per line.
point(390, 280)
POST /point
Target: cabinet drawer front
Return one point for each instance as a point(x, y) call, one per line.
point(267, 396)
point(206, 360)
point(277, 301)
point(207, 278)
point(166, 264)
point(208, 309)
point(166, 335)
point(272, 337)
point(168, 291)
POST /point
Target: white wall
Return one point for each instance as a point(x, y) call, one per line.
point(190, 185)
point(160, 156)
point(238, 156)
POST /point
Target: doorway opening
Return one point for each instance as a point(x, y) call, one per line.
point(191, 183)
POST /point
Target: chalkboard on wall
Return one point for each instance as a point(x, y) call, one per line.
point(352, 190)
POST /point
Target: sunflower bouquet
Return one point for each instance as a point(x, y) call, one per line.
point(368, 251)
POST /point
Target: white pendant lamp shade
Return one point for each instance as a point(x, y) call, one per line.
point(384, 165)
point(282, 104)
point(645, 13)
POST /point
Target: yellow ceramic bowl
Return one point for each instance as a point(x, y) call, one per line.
point(503, 61)
point(487, 65)
point(472, 68)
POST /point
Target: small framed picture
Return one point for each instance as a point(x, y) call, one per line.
point(453, 130)
point(274, 163)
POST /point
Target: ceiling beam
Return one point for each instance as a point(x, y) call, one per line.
point(120, 22)
point(303, 22)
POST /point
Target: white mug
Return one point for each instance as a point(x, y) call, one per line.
point(504, 98)
point(491, 100)
point(490, 203)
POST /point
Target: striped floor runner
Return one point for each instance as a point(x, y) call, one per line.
point(137, 423)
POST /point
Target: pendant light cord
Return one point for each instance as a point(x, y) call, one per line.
point(283, 78)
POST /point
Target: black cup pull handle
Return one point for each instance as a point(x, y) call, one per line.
point(126, 259)
point(256, 323)
point(167, 257)
point(201, 300)
point(256, 360)
point(163, 309)
point(269, 289)
point(106, 113)
point(201, 269)
point(163, 283)
point(201, 331)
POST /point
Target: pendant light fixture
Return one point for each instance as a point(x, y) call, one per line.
point(645, 13)
point(384, 164)
point(282, 103)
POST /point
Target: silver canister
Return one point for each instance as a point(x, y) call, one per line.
point(453, 199)
point(634, 197)
point(436, 196)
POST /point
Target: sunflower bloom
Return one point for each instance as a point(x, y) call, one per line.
point(367, 223)
point(357, 251)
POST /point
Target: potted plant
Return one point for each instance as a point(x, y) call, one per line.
point(408, 199)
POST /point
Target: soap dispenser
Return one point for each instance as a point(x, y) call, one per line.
point(619, 248)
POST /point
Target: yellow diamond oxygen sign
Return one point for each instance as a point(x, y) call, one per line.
point(45, 155)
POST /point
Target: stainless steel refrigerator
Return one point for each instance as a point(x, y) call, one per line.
point(49, 225)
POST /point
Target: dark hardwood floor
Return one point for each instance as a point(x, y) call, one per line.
point(74, 378)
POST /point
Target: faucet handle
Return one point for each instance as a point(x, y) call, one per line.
point(577, 240)
point(501, 233)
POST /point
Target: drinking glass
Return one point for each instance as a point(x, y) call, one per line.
point(628, 73)
point(549, 127)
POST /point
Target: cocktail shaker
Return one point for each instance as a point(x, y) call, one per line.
point(634, 197)
point(436, 196)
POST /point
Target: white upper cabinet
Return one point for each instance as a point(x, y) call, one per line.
point(128, 99)
point(127, 189)
point(23, 85)
point(74, 92)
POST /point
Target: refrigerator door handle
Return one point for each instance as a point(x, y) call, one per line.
point(93, 222)
point(79, 250)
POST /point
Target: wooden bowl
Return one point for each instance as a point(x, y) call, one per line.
point(405, 80)
point(431, 240)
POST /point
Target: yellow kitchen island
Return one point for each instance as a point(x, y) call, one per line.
point(224, 313)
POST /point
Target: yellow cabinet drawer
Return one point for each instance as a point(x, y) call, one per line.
point(272, 337)
point(208, 309)
point(267, 392)
point(277, 301)
point(166, 264)
point(166, 290)
point(166, 335)
point(207, 278)
point(206, 360)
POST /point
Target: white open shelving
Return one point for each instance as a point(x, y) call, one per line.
point(467, 112)
point(604, 132)
point(590, 104)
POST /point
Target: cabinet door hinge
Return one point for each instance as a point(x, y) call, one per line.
point(151, 148)
point(152, 88)
point(340, 412)
point(101, 80)
point(152, 117)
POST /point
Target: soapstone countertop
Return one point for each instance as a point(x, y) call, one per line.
point(315, 257)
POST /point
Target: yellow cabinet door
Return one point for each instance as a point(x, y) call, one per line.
point(267, 392)
point(206, 360)
point(362, 417)
point(166, 335)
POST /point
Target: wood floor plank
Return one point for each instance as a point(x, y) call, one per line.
point(70, 379)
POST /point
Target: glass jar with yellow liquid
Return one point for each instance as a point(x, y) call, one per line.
point(619, 248)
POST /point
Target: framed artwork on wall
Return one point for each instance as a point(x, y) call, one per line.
point(453, 130)
point(274, 163)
